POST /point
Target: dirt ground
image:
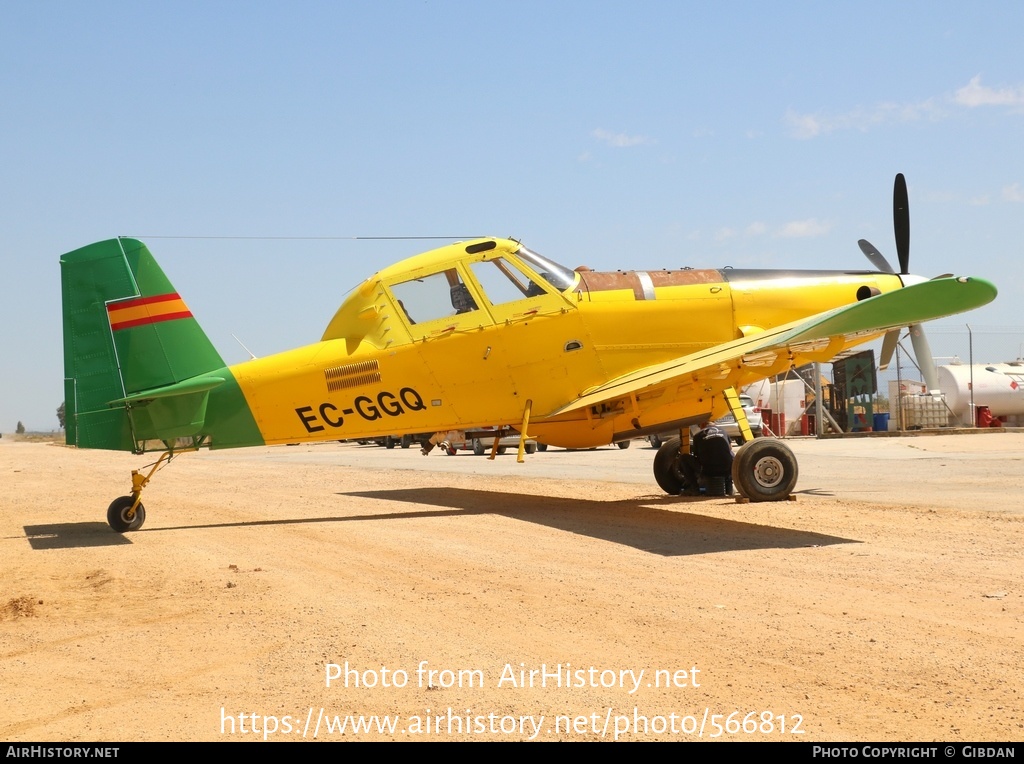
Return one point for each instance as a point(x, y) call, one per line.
point(459, 598)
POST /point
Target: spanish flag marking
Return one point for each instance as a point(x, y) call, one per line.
point(146, 310)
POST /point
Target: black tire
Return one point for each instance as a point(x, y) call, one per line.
point(389, 442)
point(764, 470)
point(542, 447)
point(623, 444)
point(478, 447)
point(655, 441)
point(666, 468)
point(117, 515)
point(406, 441)
point(502, 450)
point(530, 447)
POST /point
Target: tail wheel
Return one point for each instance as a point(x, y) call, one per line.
point(666, 468)
point(623, 444)
point(764, 470)
point(117, 514)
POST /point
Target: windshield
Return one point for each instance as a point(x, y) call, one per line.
point(560, 277)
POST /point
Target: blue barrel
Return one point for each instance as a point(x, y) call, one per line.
point(881, 422)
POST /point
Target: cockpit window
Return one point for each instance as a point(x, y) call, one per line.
point(560, 277)
point(504, 282)
point(440, 295)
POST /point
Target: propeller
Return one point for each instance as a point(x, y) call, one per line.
point(901, 222)
point(901, 229)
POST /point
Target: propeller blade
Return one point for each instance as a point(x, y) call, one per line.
point(888, 348)
point(925, 362)
point(901, 222)
point(877, 258)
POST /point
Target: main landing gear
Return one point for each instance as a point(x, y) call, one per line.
point(666, 467)
point(762, 470)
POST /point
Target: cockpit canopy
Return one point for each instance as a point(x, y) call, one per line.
point(462, 286)
point(499, 280)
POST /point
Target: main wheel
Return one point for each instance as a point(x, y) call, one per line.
point(406, 441)
point(117, 515)
point(478, 447)
point(623, 444)
point(529, 447)
point(389, 442)
point(542, 447)
point(764, 470)
point(666, 468)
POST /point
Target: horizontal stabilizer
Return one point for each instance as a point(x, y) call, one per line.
point(189, 386)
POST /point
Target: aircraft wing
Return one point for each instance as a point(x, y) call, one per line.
point(816, 338)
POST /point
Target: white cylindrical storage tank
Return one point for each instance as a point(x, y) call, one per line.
point(1000, 386)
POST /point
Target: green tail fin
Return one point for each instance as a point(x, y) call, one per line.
point(127, 331)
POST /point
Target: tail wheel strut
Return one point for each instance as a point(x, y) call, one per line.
point(126, 513)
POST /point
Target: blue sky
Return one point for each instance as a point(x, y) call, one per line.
point(616, 135)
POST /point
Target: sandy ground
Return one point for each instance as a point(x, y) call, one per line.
point(884, 604)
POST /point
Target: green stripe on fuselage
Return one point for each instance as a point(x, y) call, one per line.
point(229, 421)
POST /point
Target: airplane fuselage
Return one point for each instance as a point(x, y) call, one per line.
point(387, 365)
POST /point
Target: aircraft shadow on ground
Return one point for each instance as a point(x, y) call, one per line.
point(639, 523)
point(73, 536)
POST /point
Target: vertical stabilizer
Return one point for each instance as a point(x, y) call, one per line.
point(126, 331)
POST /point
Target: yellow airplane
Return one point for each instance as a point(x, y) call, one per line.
point(483, 333)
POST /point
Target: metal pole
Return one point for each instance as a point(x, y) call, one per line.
point(818, 429)
point(899, 391)
point(970, 360)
